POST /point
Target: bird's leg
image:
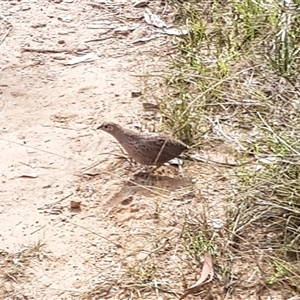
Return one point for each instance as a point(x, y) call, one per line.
point(147, 170)
point(144, 169)
point(151, 172)
point(154, 169)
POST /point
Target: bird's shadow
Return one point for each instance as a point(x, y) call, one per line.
point(148, 185)
point(164, 182)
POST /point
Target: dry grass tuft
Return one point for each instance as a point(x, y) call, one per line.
point(235, 79)
point(13, 268)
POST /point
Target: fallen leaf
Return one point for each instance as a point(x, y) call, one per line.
point(150, 106)
point(84, 58)
point(153, 19)
point(139, 4)
point(207, 271)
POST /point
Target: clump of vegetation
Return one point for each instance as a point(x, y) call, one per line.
point(237, 73)
point(13, 267)
point(233, 53)
point(234, 80)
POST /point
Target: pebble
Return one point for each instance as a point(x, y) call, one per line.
point(136, 93)
point(63, 33)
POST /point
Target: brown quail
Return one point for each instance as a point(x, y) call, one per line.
point(145, 148)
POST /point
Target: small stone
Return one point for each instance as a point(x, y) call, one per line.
point(82, 47)
point(59, 56)
point(65, 18)
point(63, 32)
point(38, 25)
point(136, 93)
point(25, 8)
point(75, 204)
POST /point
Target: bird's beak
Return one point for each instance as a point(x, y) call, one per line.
point(99, 127)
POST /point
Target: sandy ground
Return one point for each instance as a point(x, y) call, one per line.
point(49, 145)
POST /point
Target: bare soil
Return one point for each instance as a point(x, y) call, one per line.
point(51, 155)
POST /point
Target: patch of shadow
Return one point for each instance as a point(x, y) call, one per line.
point(123, 196)
point(160, 181)
point(147, 185)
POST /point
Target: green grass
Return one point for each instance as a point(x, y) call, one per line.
point(197, 242)
point(238, 68)
point(228, 46)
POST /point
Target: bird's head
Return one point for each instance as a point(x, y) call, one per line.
point(109, 127)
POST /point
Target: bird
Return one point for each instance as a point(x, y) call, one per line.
point(149, 149)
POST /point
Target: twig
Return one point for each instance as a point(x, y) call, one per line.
point(95, 5)
point(100, 39)
point(101, 236)
point(55, 202)
point(212, 87)
point(276, 135)
point(46, 50)
point(61, 127)
point(38, 229)
point(212, 162)
point(11, 277)
point(5, 35)
point(37, 149)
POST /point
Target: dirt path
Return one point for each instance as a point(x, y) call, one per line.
point(48, 115)
point(49, 111)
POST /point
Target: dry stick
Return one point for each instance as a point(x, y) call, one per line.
point(11, 277)
point(272, 204)
point(100, 39)
point(213, 162)
point(160, 151)
point(37, 149)
point(101, 236)
point(5, 35)
point(214, 86)
point(95, 5)
point(38, 229)
point(276, 135)
point(257, 248)
point(56, 202)
point(157, 158)
point(61, 127)
point(46, 50)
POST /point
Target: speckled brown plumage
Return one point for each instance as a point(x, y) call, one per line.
point(150, 149)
